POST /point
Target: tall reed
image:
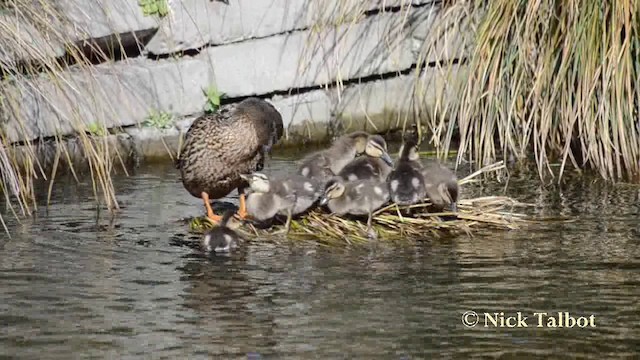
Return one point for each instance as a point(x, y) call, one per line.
point(27, 63)
point(553, 78)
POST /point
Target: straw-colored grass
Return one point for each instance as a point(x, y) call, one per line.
point(492, 213)
point(556, 79)
point(552, 81)
point(24, 68)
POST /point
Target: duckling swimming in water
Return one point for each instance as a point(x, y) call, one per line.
point(289, 196)
point(406, 181)
point(324, 164)
point(222, 238)
point(375, 163)
point(441, 185)
point(360, 197)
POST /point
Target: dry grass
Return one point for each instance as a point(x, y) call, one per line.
point(485, 213)
point(556, 79)
point(32, 34)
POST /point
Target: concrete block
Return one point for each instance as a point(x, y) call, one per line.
point(303, 109)
point(386, 104)
point(21, 41)
point(112, 95)
point(304, 59)
point(152, 143)
point(196, 23)
point(99, 18)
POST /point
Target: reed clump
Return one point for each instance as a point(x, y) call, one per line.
point(484, 213)
point(41, 52)
point(549, 81)
point(556, 80)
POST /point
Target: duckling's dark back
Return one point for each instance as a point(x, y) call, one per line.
point(406, 182)
point(219, 147)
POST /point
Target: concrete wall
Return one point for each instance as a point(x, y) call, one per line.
point(317, 61)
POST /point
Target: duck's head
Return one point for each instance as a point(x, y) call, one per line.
point(333, 189)
point(258, 182)
point(376, 147)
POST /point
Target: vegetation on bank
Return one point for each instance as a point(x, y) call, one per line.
point(556, 79)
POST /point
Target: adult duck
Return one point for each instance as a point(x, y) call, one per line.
point(219, 147)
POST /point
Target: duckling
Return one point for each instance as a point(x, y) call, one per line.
point(219, 147)
point(374, 164)
point(324, 164)
point(441, 185)
point(359, 197)
point(406, 181)
point(221, 238)
point(289, 196)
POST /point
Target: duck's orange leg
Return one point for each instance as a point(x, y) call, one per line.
point(210, 214)
point(242, 211)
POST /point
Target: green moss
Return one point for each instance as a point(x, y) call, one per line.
point(159, 119)
point(154, 7)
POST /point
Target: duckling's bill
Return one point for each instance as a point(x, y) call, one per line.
point(387, 159)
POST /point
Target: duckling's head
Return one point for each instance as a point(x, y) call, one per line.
point(409, 148)
point(359, 139)
point(333, 189)
point(409, 152)
point(376, 147)
point(258, 182)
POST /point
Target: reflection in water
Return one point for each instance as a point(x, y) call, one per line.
point(76, 286)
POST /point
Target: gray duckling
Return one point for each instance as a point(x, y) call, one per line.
point(325, 164)
point(374, 163)
point(222, 238)
point(406, 181)
point(360, 197)
point(288, 196)
point(441, 185)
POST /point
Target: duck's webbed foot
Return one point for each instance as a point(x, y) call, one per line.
point(287, 225)
point(210, 214)
point(371, 232)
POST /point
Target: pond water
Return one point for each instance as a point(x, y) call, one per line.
point(76, 286)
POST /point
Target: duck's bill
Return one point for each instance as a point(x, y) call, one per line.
point(323, 200)
point(245, 177)
point(386, 158)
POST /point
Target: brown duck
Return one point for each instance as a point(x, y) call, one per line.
point(220, 146)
